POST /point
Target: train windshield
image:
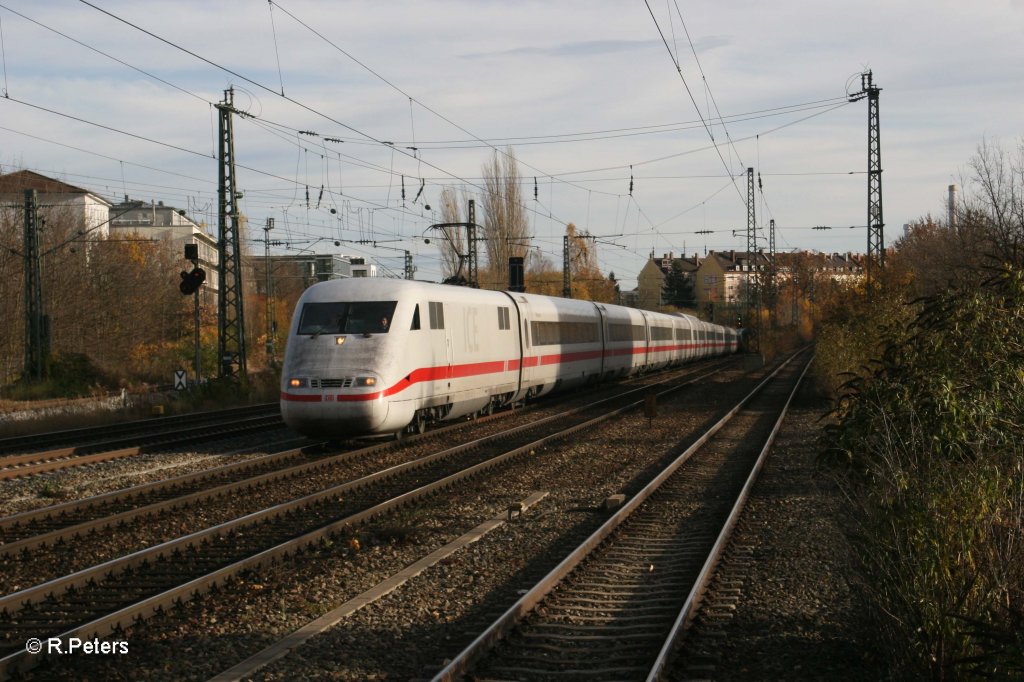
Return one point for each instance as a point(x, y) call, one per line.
point(363, 317)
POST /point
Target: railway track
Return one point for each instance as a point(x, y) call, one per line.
point(60, 523)
point(88, 446)
point(54, 439)
point(64, 522)
point(95, 601)
point(615, 606)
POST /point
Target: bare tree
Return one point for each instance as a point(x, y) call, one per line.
point(452, 244)
point(506, 228)
point(542, 277)
point(994, 211)
point(587, 281)
point(12, 286)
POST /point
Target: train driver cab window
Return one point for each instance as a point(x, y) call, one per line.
point(339, 317)
point(415, 318)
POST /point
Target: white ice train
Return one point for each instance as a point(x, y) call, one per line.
point(371, 356)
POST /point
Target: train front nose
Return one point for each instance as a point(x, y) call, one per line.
point(349, 406)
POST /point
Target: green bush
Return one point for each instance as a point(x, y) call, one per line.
point(71, 375)
point(857, 328)
point(932, 441)
point(258, 387)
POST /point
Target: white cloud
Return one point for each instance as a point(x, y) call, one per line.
point(948, 71)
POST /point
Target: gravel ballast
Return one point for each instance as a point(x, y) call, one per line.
point(780, 606)
point(794, 617)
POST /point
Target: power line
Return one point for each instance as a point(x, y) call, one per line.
point(99, 154)
point(108, 56)
point(300, 104)
point(706, 148)
point(679, 70)
point(260, 85)
point(444, 118)
point(707, 85)
point(615, 133)
point(106, 127)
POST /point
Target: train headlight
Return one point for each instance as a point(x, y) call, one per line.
point(366, 381)
point(338, 340)
point(297, 383)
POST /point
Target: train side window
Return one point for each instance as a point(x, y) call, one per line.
point(504, 319)
point(415, 318)
point(436, 314)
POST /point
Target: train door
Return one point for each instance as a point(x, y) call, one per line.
point(648, 360)
point(438, 330)
point(449, 354)
point(527, 361)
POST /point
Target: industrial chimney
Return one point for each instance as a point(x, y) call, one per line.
point(951, 218)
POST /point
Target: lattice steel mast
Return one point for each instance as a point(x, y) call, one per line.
point(876, 225)
point(753, 313)
point(36, 350)
point(230, 320)
point(473, 264)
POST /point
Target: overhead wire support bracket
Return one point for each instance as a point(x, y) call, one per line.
point(470, 258)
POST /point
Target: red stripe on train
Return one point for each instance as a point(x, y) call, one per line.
point(425, 374)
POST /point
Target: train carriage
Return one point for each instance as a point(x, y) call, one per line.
point(370, 355)
point(661, 345)
point(562, 341)
point(625, 350)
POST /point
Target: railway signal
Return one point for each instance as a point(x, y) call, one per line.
point(191, 281)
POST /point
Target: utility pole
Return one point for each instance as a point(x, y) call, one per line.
point(473, 275)
point(36, 332)
point(230, 322)
point(566, 268)
point(470, 259)
point(772, 272)
point(410, 270)
point(271, 326)
point(567, 244)
point(753, 275)
point(876, 225)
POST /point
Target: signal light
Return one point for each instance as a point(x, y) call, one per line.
point(191, 281)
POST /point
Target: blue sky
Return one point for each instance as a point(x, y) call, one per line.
point(581, 91)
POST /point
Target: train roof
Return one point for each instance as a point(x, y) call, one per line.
point(370, 288)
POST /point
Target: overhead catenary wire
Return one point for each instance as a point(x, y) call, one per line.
point(444, 118)
point(257, 84)
point(679, 70)
point(419, 160)
point(707, 86)
point(608, 134)
point(289, 99)
point(277, 52)
point(3, 54)
point(100, 52)
point(265, 195)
